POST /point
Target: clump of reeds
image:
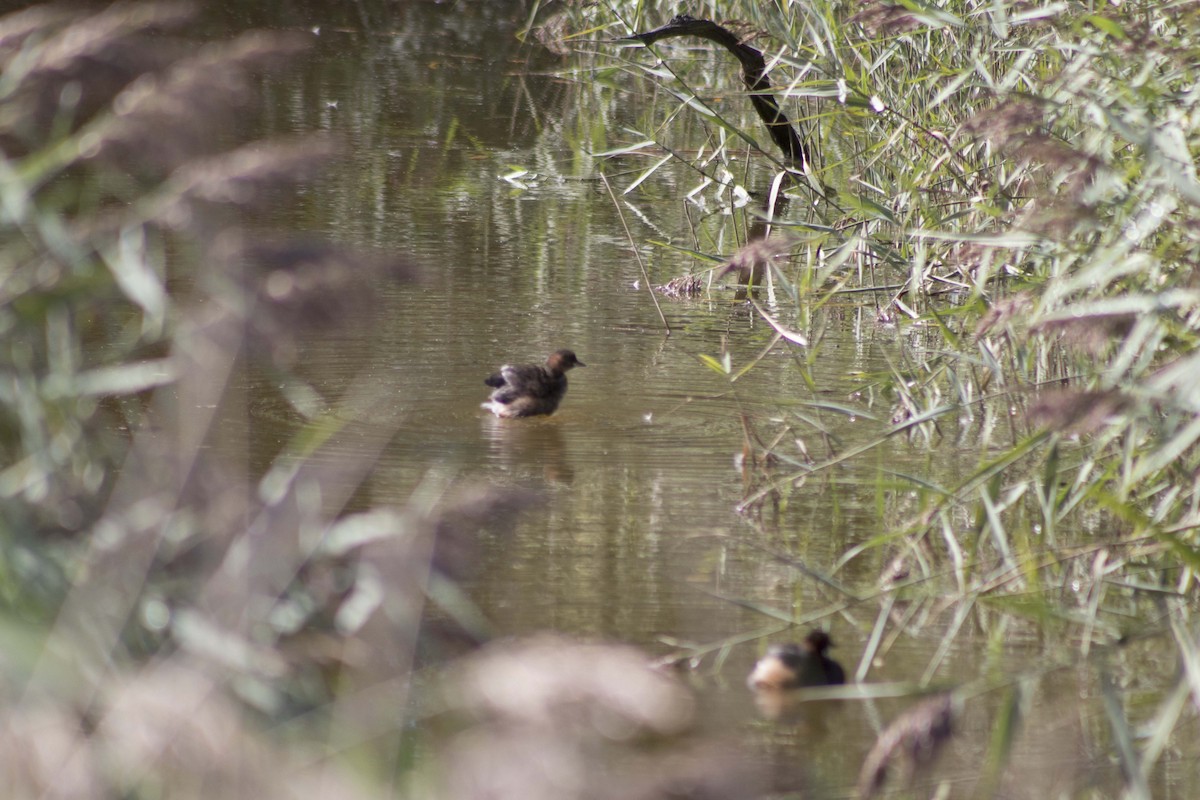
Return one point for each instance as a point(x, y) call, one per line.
point(1029, 215)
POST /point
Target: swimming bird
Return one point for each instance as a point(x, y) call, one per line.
point(526, 390)
point(790, 666)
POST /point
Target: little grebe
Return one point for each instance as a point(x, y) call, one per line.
point(526, 390)
point(790, 666)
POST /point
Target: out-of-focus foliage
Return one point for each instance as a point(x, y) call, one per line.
point(150, 596)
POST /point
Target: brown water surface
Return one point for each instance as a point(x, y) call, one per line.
point(637, 467)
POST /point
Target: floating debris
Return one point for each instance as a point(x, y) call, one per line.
point(683, 286)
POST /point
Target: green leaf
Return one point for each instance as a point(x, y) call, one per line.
point(720, 367)
point(1106, 26)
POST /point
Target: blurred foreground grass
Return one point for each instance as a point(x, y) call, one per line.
point(153, 591)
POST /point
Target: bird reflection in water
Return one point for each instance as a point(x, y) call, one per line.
point(536, 446)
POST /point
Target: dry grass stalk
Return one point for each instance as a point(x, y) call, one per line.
point(161, 120)
point(885, 19)
point(1006, 119)
point(1018, 129)
point(1075, 411)
point(1002, 313)
point(294, 284)
point(560, 719)
point(1094, 333)
point(751, 259)
point(911, 744)
point(562, 684)
point(79, 64)
point(240, 177)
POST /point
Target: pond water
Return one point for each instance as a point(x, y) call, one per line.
point(467, 152)
point(637, 469)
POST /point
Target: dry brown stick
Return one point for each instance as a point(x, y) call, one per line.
point(754, 75)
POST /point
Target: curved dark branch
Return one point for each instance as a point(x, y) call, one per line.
point(754, 75)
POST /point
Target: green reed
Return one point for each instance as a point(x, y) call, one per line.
point(1013, 187)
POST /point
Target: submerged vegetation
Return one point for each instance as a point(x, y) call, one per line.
point(1010, 186)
